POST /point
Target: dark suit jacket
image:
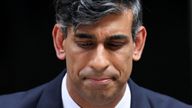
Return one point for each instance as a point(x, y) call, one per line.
point(49, 96)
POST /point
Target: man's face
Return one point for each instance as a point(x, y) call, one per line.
point(99, 59)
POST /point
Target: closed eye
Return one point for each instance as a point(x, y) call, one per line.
point(85, 44)
point(84, 40)
point(115, 42)
point(114, 45)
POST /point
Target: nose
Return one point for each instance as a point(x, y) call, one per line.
point(100, 60)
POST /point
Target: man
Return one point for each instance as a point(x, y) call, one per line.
point(99, 39)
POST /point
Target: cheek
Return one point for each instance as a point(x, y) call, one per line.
point(75, 60)
point(123, 63)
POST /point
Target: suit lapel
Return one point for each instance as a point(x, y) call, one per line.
point(138, 98)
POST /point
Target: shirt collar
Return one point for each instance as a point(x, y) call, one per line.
point(125, 101)
point(68, 102)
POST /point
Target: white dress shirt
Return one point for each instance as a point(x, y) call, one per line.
point(68, 102)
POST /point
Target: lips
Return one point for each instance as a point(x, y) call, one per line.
point(98, 82)
point(99, 79)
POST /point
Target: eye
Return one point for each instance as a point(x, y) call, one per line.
point(115, 45)
point(85, 44)
point(116, 41)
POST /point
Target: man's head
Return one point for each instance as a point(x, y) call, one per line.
point(99, 40)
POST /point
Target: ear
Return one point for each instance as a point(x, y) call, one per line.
point(139, 43)
point(58, 40)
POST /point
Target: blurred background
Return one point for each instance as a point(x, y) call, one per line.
point(28, 59)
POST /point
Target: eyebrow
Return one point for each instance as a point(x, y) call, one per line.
point(84, 36)
point(90, 36)
point(118, 37)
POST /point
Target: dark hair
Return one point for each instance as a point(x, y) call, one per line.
point(76, 12)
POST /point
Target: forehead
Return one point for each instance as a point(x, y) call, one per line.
point(109, 24)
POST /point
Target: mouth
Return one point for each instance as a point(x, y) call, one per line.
point(99, 79)
point(98, 82)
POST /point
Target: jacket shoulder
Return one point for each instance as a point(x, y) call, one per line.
point(25, 99)
point(158, 100)
point(151, 99)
